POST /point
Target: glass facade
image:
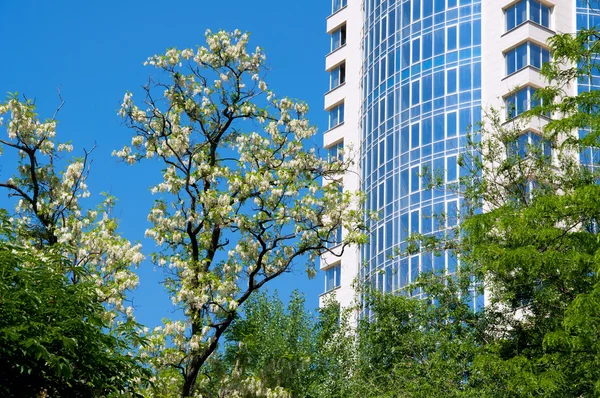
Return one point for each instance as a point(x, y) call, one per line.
point(421, 93)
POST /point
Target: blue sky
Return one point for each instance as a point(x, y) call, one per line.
point(94, 50)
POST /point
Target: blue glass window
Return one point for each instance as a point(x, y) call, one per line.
point(414, 227)
point(337, 76)
point(510, 18)
point(336, 115)
point(439, 42)
point(404, 183)
point(338, 38)
point(427, 46)
point(451, 81)
point(336, 151)
point(465, 34)
point(477, 32)
point(414, 136)
point(438, 84)
point(404, 140)
point(519, 102)
point(338, 5)
point(438, 127)
point(426, 88)
point(416, 50)
point(405, 56)
point(451, 124)
point(426, 131)
point(440, 5)
point(415, 92)
point(416, 7)
point(451, 215)
point(335, 238)
point(406, 14)
point(451, 169)
point(427, 9)
point(465, 77)
point(535, 11)
point(527, 10)
point(414, 179)
point(527, 54)
point(451, 39)
point(530, 142)
point(333, 277)
point(477, 75)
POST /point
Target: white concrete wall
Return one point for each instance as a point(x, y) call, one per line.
point(349, 131)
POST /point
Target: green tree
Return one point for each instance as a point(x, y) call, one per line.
point(415, 348)
point(52, 338)
point(275, 342)
point(284, 350)
point(536, 245)
point(270, 344)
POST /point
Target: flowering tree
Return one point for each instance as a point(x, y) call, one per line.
point(48, 215)
point(49, 222)
point(237, 207)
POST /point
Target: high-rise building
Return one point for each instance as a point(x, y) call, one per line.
point(408, 78)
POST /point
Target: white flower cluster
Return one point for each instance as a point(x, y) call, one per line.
point(87, 239)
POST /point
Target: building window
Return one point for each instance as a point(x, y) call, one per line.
point(335, 238)
point(520, 101)
point(337, 76)
point(527, 10)
point(336, 115)
point(527, 54)
point(338, 38)
point(338, 5)
point(333, 277)
point(529, 143)
point(336, 152)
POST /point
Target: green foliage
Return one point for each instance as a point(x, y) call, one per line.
point(537, 242)
point(52, 338)
point(414, 347)
point(286, 359)
point(418, 348)
point(278, 346)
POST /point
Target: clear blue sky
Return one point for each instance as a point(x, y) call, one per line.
point(94, 50)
